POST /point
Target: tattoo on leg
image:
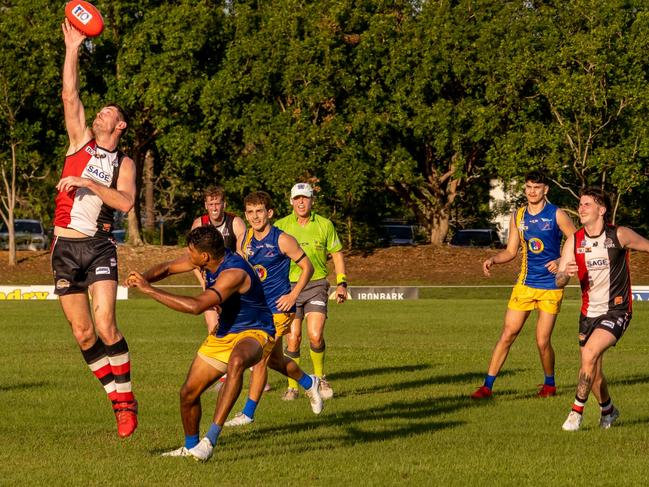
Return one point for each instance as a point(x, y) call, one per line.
point(584, 386)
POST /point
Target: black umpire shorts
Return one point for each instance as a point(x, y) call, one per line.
point(79, 262)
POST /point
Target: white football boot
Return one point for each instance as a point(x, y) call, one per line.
point(573, 421)
point(203, 451)
point(326, 392)
point(239, 419)
point(180, 452)
point(313, 393)
point(607, 420)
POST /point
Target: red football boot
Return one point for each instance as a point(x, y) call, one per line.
point(482, 392)
point(126, 416)
point(547, 391)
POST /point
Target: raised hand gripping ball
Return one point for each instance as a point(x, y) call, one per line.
point(85, 17)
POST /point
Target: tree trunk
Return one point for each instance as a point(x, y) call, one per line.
point(439, 229)
point(134, 237)
point(147, 181)
point(12, 239)
point(134, 234)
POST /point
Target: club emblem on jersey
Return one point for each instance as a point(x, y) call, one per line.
point(261, 272)
point(608, 244)
point(535, 245)
point(546, 226)
point(90, 151)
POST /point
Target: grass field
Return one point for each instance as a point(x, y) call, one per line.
point(402, 373)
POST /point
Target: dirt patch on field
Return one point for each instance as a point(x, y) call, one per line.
point(421, 265)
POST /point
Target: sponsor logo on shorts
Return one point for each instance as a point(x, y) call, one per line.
point(82, 14)
point(261, 272)
point(317, 303)
point(113, 262)
point(618, 300)
point(607, 323)
point(102, 271)
point(62, 284)
point(536, 245)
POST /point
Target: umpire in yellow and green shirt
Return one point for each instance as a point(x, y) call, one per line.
point(318, 238)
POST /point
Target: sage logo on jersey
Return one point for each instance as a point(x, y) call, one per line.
point(597, 264)
point(261, 272)
point(535, 245)
point(82, 14)
point(97, 174)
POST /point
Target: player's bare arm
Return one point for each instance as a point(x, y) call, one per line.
point(289, 247)
point(631, 240)
point(239, 227)
point(229, 282)
point(507, 254)
point(75, 118)
point(121, 198)
point(567, 265)
point(339, 267)
point(567, 228)
point(165, 269)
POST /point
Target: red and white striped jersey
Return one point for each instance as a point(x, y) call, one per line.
point(81, 209)
point(603, 272)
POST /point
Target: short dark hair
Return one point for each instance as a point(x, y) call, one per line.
point(214, 191)
point(600, 196)
point(536, 177)
point(122, 113)
point(207, 239)
point(258, 198)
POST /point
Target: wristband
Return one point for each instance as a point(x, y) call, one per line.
point(341, 278)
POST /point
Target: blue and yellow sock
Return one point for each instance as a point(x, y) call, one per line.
point(191, 441)
point(213, 433)
point(489, 381)
point(249, 408)
point(305, 381)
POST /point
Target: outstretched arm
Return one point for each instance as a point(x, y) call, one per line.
point(631, 240)
point(75, 117)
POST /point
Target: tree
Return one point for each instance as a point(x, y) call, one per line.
point(28, 85)
point(580, 76)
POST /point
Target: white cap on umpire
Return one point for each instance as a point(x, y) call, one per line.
point(302, 189)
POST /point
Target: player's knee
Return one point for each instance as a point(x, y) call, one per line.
point(293, 342)
point(236, 364)
point(543, 344)
point(188, 394)
point(84, 335)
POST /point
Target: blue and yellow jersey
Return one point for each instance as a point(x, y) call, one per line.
point(271, 264)
point(240, 312)
point(540, 237)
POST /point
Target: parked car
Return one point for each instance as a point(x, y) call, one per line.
point(399, 234)
point(30, 235)
point(477, 237)
point(119, 236)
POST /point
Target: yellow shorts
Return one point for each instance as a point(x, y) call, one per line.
point(282, 323)
point(525, 298)
point(219, 349)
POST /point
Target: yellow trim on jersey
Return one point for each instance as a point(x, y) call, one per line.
point(246, 242)
point(520, 220)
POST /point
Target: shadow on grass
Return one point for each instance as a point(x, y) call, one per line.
point(23, 386)
point(466, 377)
point(352, 374)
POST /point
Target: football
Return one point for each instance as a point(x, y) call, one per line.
point(85, 17)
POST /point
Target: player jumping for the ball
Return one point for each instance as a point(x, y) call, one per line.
point(97, 179)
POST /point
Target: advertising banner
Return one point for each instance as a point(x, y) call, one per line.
point(18, 292)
